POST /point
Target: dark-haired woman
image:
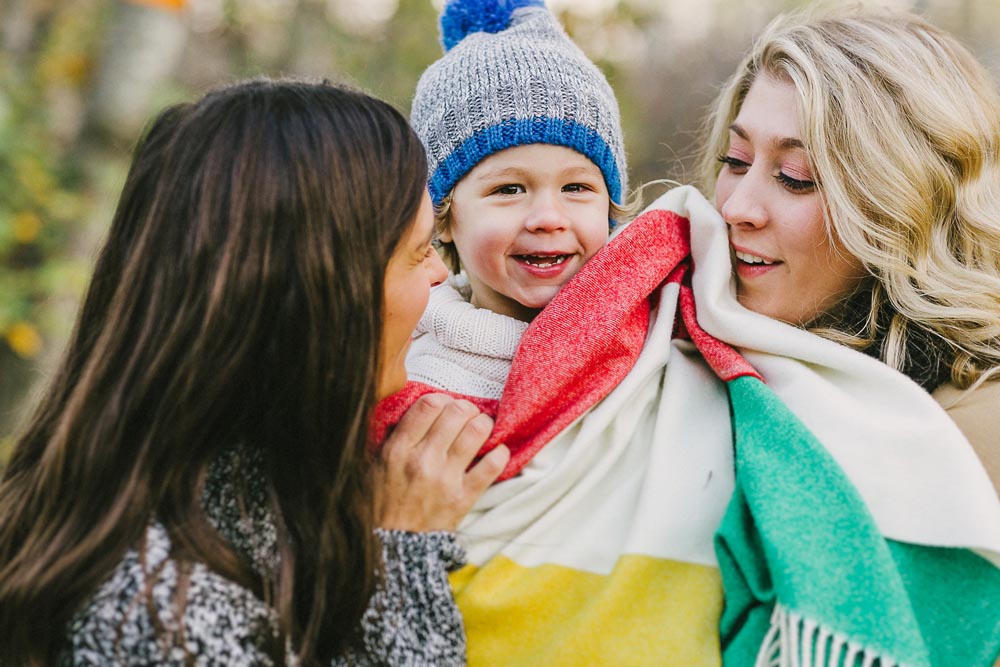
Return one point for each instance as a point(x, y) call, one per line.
point(197, 486)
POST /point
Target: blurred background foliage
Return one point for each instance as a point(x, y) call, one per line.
point(79, 79)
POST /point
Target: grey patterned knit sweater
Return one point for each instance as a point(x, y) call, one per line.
point(412, 619)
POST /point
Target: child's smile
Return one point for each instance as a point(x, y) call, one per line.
point(540, 261)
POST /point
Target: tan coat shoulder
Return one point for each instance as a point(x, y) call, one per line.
point(977, 414)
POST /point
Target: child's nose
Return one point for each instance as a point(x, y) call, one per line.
point(547, 214)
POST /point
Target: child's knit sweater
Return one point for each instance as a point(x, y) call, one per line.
point(461, 348)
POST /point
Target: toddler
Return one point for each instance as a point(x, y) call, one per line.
point(527, 170)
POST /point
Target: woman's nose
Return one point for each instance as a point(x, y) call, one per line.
point(436, 270)
point(745, 206)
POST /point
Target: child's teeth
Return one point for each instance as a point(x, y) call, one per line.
point(543, 262)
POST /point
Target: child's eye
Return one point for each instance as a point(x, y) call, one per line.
point(509, 189)
point(577, 187)
point(735, 165)
point(794, 184)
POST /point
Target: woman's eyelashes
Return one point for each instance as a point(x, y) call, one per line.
point(421, 258)
point(735, 165)
point(792, 184)
point(795, 184)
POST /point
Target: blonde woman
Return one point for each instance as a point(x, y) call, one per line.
point(855, 159)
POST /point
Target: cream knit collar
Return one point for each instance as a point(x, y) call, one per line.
point(459, 325)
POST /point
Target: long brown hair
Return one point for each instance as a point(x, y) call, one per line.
point(237, 302)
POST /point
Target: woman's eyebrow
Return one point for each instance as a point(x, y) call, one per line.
point(739, 132)
point(785, 143)
point(789, 143)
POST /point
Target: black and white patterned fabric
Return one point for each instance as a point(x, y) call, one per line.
point(412, 619)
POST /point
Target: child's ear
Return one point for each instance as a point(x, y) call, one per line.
point(445, 236)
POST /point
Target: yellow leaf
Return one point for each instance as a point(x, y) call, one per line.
point(26, 226)
point(24, 339)
point(75, 67)
point(35, 178)
point(61, 68)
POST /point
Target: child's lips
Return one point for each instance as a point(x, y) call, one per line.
point(543, 260)
point(543, 265)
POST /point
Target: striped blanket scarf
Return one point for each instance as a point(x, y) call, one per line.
point(665, 505)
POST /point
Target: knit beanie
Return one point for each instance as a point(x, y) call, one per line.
point(511, 76)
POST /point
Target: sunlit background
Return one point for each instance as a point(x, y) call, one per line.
point(79, 78)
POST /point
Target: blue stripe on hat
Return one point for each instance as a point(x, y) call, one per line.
point(519, 132)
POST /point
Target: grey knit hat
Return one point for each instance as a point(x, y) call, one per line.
point(511, 76)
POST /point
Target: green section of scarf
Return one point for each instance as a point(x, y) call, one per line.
point(798, 546)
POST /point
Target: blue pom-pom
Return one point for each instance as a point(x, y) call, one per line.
point(464, 17)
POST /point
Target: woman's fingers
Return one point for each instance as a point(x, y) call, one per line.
point(424, 480)
point(469, 441)
point(486, 471)
point(417, 421)
point(432, 424)
point(459, 422)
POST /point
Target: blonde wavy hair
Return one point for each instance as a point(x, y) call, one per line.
point(902, 126)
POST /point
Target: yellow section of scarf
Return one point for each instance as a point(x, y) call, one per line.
point(647, 611)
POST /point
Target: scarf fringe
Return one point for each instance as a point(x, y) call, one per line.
point(795, 641)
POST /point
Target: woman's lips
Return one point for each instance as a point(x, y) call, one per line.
point(751, 265)
point(747, 271)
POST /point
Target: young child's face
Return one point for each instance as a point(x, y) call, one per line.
point(524, 221)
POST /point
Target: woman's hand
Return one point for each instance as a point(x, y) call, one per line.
point(422, 478)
